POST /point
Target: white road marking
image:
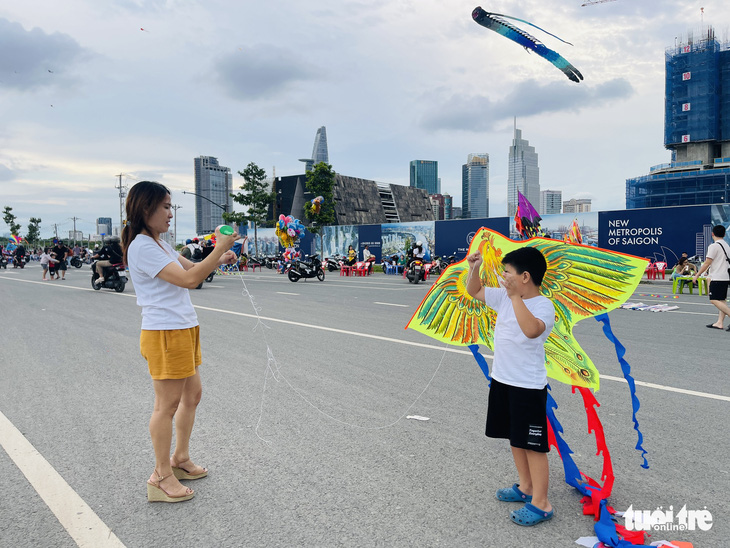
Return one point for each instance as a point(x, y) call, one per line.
point(429, 346)
point(79, 520)
point(392, 304)
point(669, 388)
point(285, 293)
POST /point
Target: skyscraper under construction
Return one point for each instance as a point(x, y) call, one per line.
point(696, 128)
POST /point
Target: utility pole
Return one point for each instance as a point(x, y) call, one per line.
point(122, 195)
point(55, 229)
point(175, 207)
point(74, 220)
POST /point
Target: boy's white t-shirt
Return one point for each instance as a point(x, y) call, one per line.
point(164, 305)
point(519, 360)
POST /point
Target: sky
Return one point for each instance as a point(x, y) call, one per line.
point(90, 90)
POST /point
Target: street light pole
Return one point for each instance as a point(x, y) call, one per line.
point(224, 207)
point(175, 208)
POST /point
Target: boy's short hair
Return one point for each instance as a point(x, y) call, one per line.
point(527, 259)
point(719, 231)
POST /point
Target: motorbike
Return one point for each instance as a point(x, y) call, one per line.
point(333, 263)
point(416, 271)
point(114, 277)
point(311, 268)
point(76, 262)
point(20, 261)
point(440, 264)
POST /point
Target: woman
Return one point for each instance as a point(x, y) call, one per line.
point(351, 256)
point(170, 339)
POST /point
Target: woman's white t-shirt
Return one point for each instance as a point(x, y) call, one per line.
point(519, 360)
point(164, 305)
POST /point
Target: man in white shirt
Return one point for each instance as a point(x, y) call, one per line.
point(717, 264)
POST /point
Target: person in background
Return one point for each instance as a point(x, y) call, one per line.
point(351, 256)
point(717, 265)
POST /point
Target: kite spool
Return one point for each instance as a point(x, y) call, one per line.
point(225, 230)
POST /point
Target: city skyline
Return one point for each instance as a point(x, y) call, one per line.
point(86, 95)
point(475, 186)
point(524, 173)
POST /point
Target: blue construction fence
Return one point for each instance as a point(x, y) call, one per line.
point(659, 234)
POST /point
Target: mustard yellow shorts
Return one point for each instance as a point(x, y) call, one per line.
point(171, 354)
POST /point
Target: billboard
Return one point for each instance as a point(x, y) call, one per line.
point(659, 234)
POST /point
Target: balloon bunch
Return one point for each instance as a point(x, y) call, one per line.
point(316, 204)
point(288, 230)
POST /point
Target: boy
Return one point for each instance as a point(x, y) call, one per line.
point(518, 395)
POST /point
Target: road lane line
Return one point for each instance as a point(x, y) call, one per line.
point(285, 293)
point(669, 388)
point(433, 347)
point(79, 520)
point(392, 304)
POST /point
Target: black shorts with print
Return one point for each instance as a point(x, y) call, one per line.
point(718, 290)
point(519, 415)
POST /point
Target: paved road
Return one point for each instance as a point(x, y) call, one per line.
point(317, 455)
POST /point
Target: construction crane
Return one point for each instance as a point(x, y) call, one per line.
point(591, 2)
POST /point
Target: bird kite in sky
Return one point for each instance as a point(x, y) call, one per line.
point(495, 22)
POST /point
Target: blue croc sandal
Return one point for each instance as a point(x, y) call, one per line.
point(530, 515)
point(513, 494)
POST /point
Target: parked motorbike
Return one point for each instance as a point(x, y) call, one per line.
point(440, 264)
point(311, 268)
point(114, 277)
point(76, 262)
point(333, 263)
point(416, 271)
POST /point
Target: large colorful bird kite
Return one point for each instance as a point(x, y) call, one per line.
point(581, 282)
point(495, 22)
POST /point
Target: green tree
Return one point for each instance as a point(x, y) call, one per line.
point(256, 196)
point(34, 231)
point(9, 219)
point(320, 182)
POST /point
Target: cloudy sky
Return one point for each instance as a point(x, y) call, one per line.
point(86, 94)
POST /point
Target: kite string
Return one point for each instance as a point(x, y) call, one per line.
point(272, 370)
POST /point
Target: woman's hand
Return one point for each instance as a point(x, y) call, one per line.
point(223, 241)
point(229, 257)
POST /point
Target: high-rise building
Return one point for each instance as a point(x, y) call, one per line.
point(214, 185)
point(551, 201)
point(448, 207)
point(320, 152)
point(696, 128)
point(104, 226)
point(523, 173)
point(475, 186)
point(425, 175)
point(577, 205)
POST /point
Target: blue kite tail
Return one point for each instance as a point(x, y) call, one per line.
point(573, 477)
point(626, 368)
point(481, 361)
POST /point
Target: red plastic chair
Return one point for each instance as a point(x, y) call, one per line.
point(650, 271)
point(345, 270)
point(660, 268)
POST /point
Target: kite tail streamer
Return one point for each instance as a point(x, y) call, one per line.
point(626, 368)
point(597, 492)
point(572, 473)
point(481, 361)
